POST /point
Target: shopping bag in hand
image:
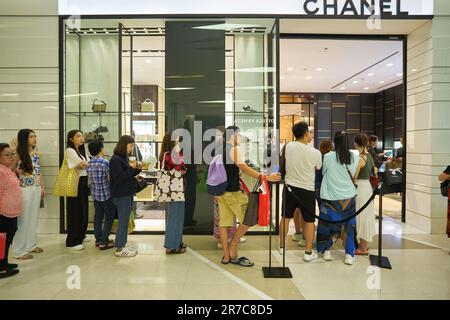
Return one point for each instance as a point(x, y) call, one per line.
point(251, 215)
point(2, 245)
point(264, 204)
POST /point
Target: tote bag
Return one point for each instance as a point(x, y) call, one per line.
point(67, 181)
point(264, 204)
point(169, 185)
point(252, 212)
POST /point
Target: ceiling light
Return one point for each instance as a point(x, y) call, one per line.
point(319, 69)
point(139, 51)
point(290, 69)
point(399, 74)
point(308, 78)
point(95, 32)
point(145, 29)
point(366, 88)
point(389, 65)
point(425, 83)
point(132, 29)
point(231, 31)
point(107, 32)
point(413, 70)
point(282, 77)
point(90, 29)
point(343, 88)
point(355, 82)
point(370, 74)
point(381, 82)
point(85, 32)
point(104, 29)
point(148, 61)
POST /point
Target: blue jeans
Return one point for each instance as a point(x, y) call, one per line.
point(123, 205)
point(174, 225)
point(107, 210)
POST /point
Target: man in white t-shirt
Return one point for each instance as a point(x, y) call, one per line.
point(302, 161)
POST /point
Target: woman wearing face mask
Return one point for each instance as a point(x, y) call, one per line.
point(77, 207)
point(29, 173)
point(123, 176)
point(10, 206)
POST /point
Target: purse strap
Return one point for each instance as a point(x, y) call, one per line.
point(351, 177)
point(258, 184)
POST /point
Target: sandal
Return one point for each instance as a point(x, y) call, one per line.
point(25, 257)
point(38, 250)
point(361, 253)
point(102, 247)
point(225, 262)
point(176, 251)
point(243, 262)
point(98, 244)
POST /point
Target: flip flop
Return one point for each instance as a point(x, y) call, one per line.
point(225, 262)
point(106, 247)
point(242, 262)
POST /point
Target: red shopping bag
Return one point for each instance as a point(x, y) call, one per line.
point(264, 203)
point(2, 245)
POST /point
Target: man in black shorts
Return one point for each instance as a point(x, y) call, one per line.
point(302, 161)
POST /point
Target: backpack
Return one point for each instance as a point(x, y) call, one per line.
point(217, 182)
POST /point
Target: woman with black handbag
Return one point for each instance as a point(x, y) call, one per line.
point(444, 177)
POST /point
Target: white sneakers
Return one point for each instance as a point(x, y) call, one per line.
point(78, 247)
point(310, 257)
point(349, 259)
point(126, 252)
point(86, 240)
point(327, 255)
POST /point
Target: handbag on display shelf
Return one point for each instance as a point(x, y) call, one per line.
point(264, 204)
point(147, 106)
point(169, 185)
point(252, 212)
point(98, 106)
point(66, 184)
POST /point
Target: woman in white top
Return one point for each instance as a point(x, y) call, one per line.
point(29, 172)
point(77, 207)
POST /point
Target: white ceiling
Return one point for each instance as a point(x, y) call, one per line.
point(342, 62)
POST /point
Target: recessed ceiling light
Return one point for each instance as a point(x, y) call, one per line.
point(95, 32)
point(148, 61)
point(425, 83)
point(290, 69)
point(355, 82)
point(366, 88)
point(282, 77)
point(399, 74)
point(85, 32)
point(107, 32)
point(308, 78)
point(104, 29)
point(145, 29)
point(389, 65)
point(319, 69)
point(90, 29)
point(413, 70)
point(343, 88)
point(370, 74)
point(381, 82)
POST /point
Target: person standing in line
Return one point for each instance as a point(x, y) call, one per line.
point(324, 147)
point(171, 157)
point(365, 221)
point(98, 174)
point(124, 175)
point(31, 183)
point(77, 207)
point(233, 203)
point(445, 176)
point(10, 207)
point(338, 193)
point(302, 161)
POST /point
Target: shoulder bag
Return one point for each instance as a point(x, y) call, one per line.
point(169, 185)
point(67, 181)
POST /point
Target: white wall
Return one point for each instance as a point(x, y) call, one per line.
point(428, 120)
point(29, 86)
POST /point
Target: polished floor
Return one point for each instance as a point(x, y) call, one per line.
point(421, 270)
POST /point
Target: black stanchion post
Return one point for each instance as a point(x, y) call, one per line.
point(277, 272)
point(379, 260)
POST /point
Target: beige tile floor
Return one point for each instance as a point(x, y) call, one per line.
point(421, 270)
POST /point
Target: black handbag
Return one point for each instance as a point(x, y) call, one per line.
point(444, 188)
point(283, 161)
point(141, 185)
point(393, 177)
point(252, 212)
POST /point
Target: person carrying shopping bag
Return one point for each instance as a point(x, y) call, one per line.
point(170, 188)
point(124, 176)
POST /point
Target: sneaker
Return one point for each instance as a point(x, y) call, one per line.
point(281, 249)
point(310, 257)
point(86, 240)
point(349, 259)
point(302, 242)
point(242, 240)
point(8, 273)
point(125, 253)
point(78, 247)
point(132, 249)
point(297, 237)
point(326, 255)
